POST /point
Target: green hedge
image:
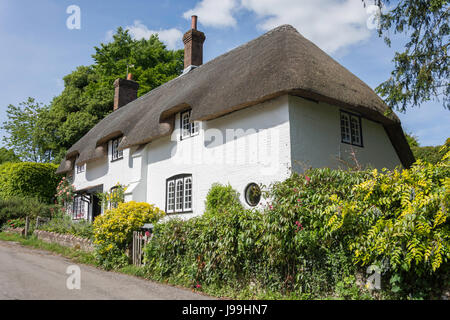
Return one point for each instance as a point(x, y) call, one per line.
point(28, 180)
point(317, 236)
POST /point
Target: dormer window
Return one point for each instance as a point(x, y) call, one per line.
point(116, 154)
point(188, 128)
point(81, 168)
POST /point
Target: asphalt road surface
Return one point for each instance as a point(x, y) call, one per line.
point(35, 274)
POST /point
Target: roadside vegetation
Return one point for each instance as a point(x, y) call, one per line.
point(317, 237)
point(322, 234)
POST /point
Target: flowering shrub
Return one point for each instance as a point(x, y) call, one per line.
point(15, 223)
point(111, 199)
point(65, 192)
point(113, 230)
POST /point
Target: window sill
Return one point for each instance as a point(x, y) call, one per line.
point(188, 137)
point(115, 160)
point(183, 212)
point(351, 144)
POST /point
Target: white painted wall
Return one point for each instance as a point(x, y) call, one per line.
point(263, 128)
point(107, 172)
point(316, 138)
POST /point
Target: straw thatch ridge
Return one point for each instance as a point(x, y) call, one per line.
point(279, 62)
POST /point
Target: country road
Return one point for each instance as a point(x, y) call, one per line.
point(35, 274)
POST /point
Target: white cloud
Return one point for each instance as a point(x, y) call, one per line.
point(330, 24)
point(171, 37)
point(109, 35)
point(215, 13)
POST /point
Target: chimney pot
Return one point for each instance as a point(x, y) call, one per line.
point(130, 76)
point(194, 22)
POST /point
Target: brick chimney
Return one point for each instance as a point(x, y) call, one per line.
point(193, 46)
point(125, 91)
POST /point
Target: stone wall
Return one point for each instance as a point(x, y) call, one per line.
point(66, 240)
point(20, 231)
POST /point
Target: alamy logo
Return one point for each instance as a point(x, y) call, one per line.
point(74, 279)
point(74, 20)
point(231, 147)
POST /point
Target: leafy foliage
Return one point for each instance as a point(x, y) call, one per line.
point(113, 230)
point(421, 71)
point(63, 224)
point(426, 153)
point(25, 134)
point(15, 223)
point(402, 220)
point(112, 198)
point(8, 156)
point(220, 198)
point(17, 207)
point(403, 215)
point(28, 180)
point(318, 233)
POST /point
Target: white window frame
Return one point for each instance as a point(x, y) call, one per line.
point(170, 196)
point(351, 129)
point(187, 201)
point(188, 128)
point(179, 194)
point(346, 136)
point(115, 153)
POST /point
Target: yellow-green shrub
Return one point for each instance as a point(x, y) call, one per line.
point(405, 214)
point(402, 220)
point(113, 231)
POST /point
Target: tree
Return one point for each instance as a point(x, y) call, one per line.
point(24, 134)
point(8, 156)
point(431, 154)
point(88, 93)
point(421, 71)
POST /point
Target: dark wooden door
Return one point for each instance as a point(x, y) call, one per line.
point(96, 209)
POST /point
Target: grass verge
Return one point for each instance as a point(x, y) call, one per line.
point(71, 253)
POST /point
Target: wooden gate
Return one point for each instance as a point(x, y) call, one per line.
point(139, 241)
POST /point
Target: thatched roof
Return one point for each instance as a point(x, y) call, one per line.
point(279, 62)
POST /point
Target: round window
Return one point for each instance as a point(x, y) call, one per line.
point(252, 194)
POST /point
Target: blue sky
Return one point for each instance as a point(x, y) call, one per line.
point(38, 50)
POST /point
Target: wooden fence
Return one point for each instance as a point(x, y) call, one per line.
point(140, 239)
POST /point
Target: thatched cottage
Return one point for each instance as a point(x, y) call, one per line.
point(248, 117)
